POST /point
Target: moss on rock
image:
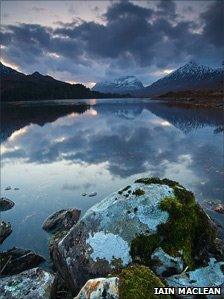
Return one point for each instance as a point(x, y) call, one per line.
point(143, 246)
point(138, 282)
point(188, 232)
point(156, 180)
point(138, 192)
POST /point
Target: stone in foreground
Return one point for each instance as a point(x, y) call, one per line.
point(17, 260)
point(5, 230)
point(129, 225)
point(35, 283)
point(106, 288)
point(61, 220)
point(134, 282)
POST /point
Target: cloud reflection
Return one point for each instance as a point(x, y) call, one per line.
point(129, 141)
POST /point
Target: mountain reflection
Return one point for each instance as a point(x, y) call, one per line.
point(131, 138)
point(17, 116)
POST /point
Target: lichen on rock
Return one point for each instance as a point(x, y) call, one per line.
point(100, 242)
point(109, 246)
point(106, 288)
point(35, 283)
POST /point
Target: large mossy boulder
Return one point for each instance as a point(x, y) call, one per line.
point(129, 225)
point(35, 283)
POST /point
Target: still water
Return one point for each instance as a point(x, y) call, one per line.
point(55, 151)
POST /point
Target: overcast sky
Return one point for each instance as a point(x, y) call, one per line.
point(90, 41)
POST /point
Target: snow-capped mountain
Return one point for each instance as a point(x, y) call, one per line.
point(121, 85)
point(191, 76)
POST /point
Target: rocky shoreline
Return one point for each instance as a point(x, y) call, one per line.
point(150, 234)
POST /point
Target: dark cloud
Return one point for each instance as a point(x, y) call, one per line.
point(167, 9)
point(213, 19)
point(132, 39)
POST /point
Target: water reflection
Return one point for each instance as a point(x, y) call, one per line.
point(60, 151)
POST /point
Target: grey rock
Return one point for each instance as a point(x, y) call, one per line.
point(164, 264)
point(5, 230)
point(92, 194)
point(34, 283)
point(17, 260)
point(211, 275)
point(61, 220)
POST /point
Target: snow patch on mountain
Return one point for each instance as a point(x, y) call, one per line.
point(191, 76)
point(123, 84)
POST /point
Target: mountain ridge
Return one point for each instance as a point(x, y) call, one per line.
point(188, 78)
point(16, 86)
point(122, 85)
point(191, 76)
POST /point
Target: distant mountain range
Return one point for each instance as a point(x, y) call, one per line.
point(191, 76)
point(192, 79)
point(17, 86)
point(122, 85)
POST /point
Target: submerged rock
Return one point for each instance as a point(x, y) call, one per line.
point(129, 225)
point(8, 188)
point(166, 265)
point(92, 194)
point(17, 260)
point(6, 204)
point(61, 220)
point(35, 283)
point(5, 230)
point(106, 288)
